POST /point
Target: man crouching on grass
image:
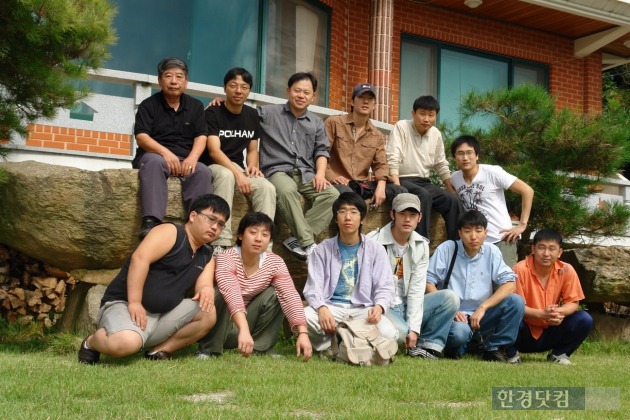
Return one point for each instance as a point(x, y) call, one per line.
point(145, 305)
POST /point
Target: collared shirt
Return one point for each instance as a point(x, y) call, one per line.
point(175, 130)
point(415, 262)
point(473, 278)
point(374, 284)
point(289, 143)
point(410, 153)
point(352, 156)
point(563, 286)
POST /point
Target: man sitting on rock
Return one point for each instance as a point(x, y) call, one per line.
point(145, 305)
point(552, 291)
point(171, 133)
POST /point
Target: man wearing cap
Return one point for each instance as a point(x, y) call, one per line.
point(423, 321)
point(356, 146)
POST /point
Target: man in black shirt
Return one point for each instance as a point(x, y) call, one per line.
point(171, 133)
point(233, 128)
point(145, 305)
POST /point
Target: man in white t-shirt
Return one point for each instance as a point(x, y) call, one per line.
point(481, 187)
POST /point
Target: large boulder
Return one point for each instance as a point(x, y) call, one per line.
point(604, 272)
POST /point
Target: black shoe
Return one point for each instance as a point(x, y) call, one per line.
point(455, 355)
point(158, 355)
point(495, 356)
point(148, 223)
point(88, 356)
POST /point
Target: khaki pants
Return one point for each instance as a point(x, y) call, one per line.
point(303, 226)
point(263, 197)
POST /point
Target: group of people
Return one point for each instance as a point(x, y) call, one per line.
point(175, 290)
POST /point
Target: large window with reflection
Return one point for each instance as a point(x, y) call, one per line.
point(271, 38)
point(449, 72)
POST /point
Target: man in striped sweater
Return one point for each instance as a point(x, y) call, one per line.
point(256, 293)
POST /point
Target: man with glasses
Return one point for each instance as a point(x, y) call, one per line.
point(233, 128)
point(348, 275)
point(145, 306)
point(171, 133)
point(481, 187)
point(293, 157)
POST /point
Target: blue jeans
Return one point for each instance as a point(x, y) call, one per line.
point(498, 327)
point(438, 311)
point(560, 339)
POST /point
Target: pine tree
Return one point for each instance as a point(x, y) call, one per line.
point(46, 48)
point(561, 154)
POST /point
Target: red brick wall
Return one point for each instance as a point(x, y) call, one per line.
point(575, 82)
point(79, 140)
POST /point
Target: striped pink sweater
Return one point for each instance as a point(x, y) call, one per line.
point(238, 290)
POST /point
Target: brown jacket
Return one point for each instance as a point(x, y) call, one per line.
point(351, 159)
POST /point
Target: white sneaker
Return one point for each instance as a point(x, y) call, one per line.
point(309, 250)
point(293, 245)
point(562, 359)
point(219, 249)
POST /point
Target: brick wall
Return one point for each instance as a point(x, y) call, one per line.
point(575, 82)
point(78, 140)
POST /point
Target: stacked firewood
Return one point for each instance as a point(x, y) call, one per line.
point(31, 290)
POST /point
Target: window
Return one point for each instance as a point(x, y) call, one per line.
point(295, 39)
point(449, 72)
point(272, 39)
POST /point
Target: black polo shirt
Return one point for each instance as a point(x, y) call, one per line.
point(175, 130)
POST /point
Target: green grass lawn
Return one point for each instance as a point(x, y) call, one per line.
point(40, 378)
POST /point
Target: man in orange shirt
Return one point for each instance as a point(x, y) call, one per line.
point(551, 290)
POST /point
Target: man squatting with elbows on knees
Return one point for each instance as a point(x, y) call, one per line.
point(145, 305)
point(485, 286)
point(348, 275)
point(233, 127)
point(423, 321)
point(256, 292)
point(171, 133)
point(481, 187)
point(552, 292)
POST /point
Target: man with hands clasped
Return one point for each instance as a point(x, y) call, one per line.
point(552, 292)
point(145, 306)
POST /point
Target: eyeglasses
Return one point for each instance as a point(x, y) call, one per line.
point(234, 86)
point(211, 220)
point(468, 153)
point(344, 212)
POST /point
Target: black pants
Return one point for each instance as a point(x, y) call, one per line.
point(433, 197)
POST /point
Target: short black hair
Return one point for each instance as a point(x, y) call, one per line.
point(238, 71)
point(472, 218)
point(303, 76)
point(171, 63)
point(253, 218)
point(212, 202)
point(352, 199)
point(469, 140)
point(547, 235)
point(426, 102)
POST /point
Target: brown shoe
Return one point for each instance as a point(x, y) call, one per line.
point(158, 355)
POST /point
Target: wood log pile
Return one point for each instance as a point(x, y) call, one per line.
point(31, 291)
